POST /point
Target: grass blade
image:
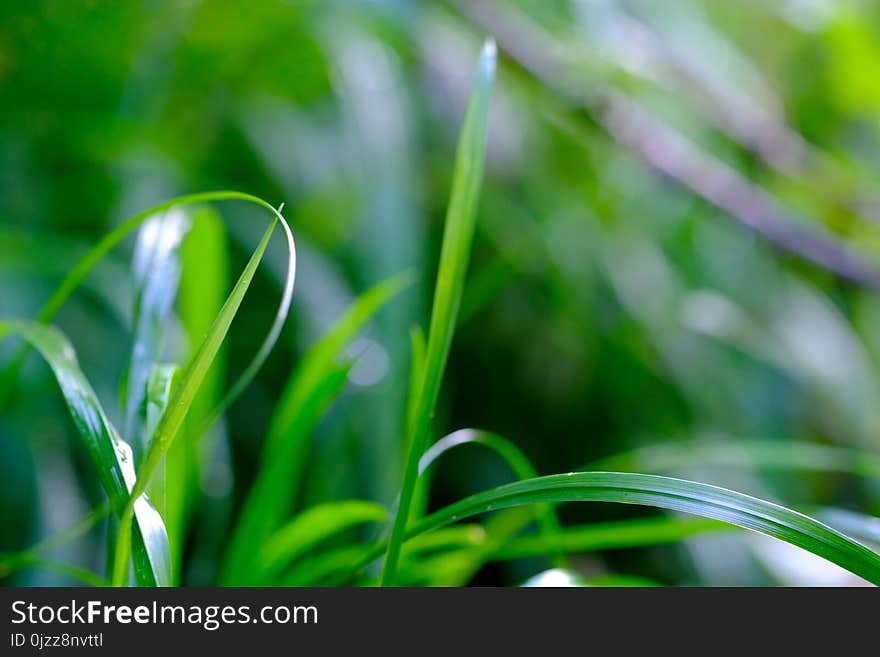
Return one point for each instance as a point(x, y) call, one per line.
point(519, 464)
point(156, 269)
point(203, 284)
point(676, 495)
point(454, 257)
point(314, 385)
point(312, 527)
point(97, 253)
point(608, 535)
point(190, 381)
point(112, 457)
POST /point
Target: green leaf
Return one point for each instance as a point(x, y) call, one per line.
point(315, 384)
point(111, 456)
point(454, 257)
point(676, 495)
point(312, 527)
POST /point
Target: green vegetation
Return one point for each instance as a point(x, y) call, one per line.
point(635, 261)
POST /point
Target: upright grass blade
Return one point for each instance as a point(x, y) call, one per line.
point(203, 285)
point(156, 269)
point(454, 257)
point(190, 381)
point(314, 385)
point(112, 457)
point(312, 527)
point(677, 495)
point(160, 386)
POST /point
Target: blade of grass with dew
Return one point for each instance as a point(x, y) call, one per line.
point(454, 257)
point(111, 456)
point(312, 527)
point(190, 381)
point(316, 382)
point(780, 455)
point(203, 282)
point(676, 495)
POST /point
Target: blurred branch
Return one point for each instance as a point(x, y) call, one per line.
point(665, 149)
point(759, 127)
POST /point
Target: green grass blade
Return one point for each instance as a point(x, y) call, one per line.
point(518, 462)
point(87, 263)
point(313, 386)
point(156, 267)
point(160, 386)
point(111, 456)
point(326, 568)
point(190, 381)
point(203, 284)
point(272, 336)
point(608, 535)
point(312, 527)
point(454, 257)
point(676, 495)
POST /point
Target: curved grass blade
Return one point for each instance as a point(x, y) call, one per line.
point(454, 257)
point(88, 262)
point(313, 386)
point(112, 457)
point(519, 464)
point(782, 455)
point(676, 495)
point(190, 381)
point(312, 527)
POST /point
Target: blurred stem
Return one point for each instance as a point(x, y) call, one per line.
point(665, 149)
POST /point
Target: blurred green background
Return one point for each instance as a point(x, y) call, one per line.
point(610, 304)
